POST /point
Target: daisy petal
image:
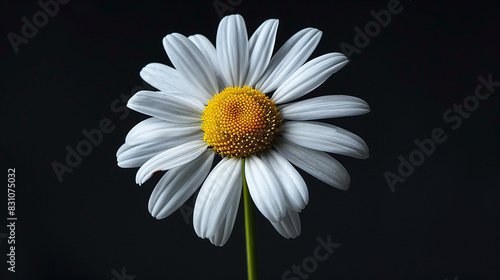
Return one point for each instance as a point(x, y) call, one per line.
point(294, 187)
point(309, 76)
point(288, 59)
point(173, 108)
point(324, 107)
point(122, 149)
point(208, 49)
point(191, 63)
point(318, 164)
point(219, 191)
point(178, 184)
point(129, 156)
point(222, 235)
point(232, 49)
point(167, 135)
point(170, 158)
point(261, 46)
point(289, 227)
point(169, 142)
point(166, 79)
point(144, 127)
point(154, 128)
point(325, 137)
point(265, 189)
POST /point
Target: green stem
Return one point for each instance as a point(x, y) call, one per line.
point(249, 230)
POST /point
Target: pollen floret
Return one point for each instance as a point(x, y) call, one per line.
point(240, 121)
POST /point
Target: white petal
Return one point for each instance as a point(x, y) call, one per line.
point(318, 164)
point(265, 189)
point(324, 107)
point(171, 139)
point(261, 46)
point(219, 191)
point(178, 184)
point(129, 156)
point(169, 142)
point(205, 46)
point(288, 59)
point(192, 64)
point(170, 158)
point(232, 49)
point(173, 108)
point(167, 79)
point(289, 227)
point(122, 149)
point(325, 137)
point(224, 231)
point(154, 128)
point(294, 187)
point(208, 49)
point(145, 126)
point(309, 76)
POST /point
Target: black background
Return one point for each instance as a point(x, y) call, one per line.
point(442, 222)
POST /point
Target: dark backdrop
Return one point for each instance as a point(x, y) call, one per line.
point(80, 66)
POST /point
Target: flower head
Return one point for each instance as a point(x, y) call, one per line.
point(240, 122)
point(237, 100)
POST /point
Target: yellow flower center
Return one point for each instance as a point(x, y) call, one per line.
point(240, 121)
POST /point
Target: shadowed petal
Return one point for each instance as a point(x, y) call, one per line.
point(288, 59)
point(294, 187)
point(217, 195)
point(265, 189)
point(166, 79)
point(318, 164)
point(289, 227)
point(192, 64)
point(224, 231)
point(324, 107)
point(170, 158)
point(325, 137)
point(208, 49)
point(178, 184)
point(309, 76)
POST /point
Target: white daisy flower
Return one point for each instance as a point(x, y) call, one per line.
point(238, 100)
